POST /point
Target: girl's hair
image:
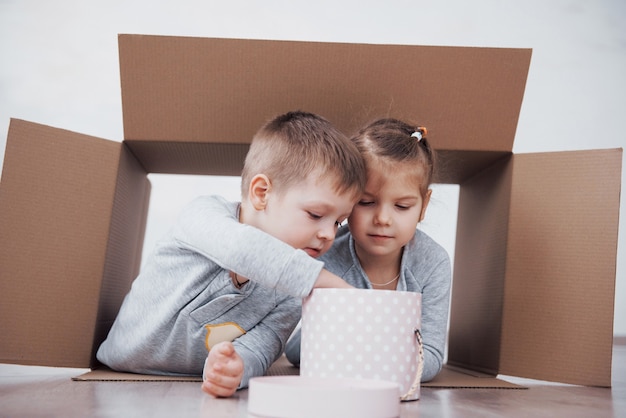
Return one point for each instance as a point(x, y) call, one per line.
point(396, 141)
point(293, 145)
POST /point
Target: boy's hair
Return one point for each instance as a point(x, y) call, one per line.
point(397, 141)
point(293, 145)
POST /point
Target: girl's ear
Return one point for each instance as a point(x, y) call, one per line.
point(425, 204)
point(260, 186)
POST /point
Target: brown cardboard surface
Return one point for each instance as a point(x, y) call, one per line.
point(479, 269)
point(191, 93)
point(125, 244)
point(166, 157)
point(535, 267)
point(66, 210)
point(73, 207)
point(447, 378)
point(55, 223)
point(453, 378)
point(561, 258)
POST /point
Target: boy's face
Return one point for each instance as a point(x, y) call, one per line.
point(306, 215)
point(386, 216)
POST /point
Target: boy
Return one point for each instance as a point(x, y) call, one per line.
point(301, 178)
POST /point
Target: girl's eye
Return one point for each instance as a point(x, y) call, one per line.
point(314, 216)
point(402, 207)
point(365, 203)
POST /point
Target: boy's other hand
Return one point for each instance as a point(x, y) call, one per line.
point(327, 279)
point(223, 370)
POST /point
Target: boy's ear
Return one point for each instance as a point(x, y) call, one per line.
point(260, 186)
point(425, 204)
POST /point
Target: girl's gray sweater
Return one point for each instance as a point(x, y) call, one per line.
point(425, 268)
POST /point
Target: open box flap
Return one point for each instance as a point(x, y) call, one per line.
point(535, 267)
point(60, 202)
point(190, 94)
point(561, 266)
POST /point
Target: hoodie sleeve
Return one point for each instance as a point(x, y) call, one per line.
point(209, 226)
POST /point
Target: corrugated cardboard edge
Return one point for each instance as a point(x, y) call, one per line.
point(448, 378)
point(454, 378)
point(105, 374)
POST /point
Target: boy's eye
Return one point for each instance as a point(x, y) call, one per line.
point(403, 207)
point(365, 203)
point(314, 215)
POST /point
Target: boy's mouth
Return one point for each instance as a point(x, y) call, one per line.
point(313, 252)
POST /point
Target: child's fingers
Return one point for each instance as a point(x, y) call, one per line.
point(225, 348)
point(229, 368)
point(222, 379)
point(223, 370)
point(221, 385)
point(218, 391)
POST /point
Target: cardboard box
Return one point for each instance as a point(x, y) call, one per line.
point(536, 248)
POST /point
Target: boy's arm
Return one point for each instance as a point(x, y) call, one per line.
point(230, 365)
point(209, 226)
point(263, 344)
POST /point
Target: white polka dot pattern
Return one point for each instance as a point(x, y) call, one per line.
point(361, 333)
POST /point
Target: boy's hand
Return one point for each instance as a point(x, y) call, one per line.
point(328, 279)
point(223, 370)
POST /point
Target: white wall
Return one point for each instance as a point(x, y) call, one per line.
point(60, 67)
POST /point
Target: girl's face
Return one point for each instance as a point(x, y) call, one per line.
point(385, 217)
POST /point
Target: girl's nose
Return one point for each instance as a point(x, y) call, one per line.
point(381, 217)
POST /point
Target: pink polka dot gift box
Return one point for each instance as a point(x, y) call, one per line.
point(363, 333)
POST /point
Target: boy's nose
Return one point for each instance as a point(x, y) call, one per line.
point(327, 232)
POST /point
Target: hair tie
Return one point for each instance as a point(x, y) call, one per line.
point(420, 133)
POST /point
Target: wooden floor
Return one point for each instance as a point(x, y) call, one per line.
point(27, 391)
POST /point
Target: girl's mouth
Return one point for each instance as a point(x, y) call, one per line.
point(377, 237)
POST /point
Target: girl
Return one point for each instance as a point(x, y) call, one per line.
point(381, 248)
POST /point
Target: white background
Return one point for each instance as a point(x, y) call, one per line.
point(59, 66)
